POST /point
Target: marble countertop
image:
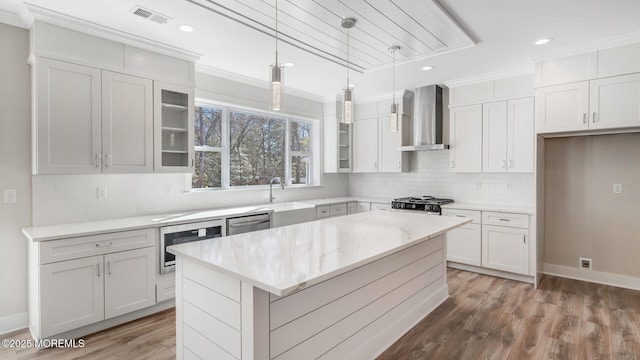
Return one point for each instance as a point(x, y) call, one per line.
point(518, 209)
point(284, 259)
point(328, 201)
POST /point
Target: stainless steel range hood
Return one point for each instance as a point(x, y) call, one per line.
point(427, 124)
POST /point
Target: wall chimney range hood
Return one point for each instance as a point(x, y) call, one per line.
point(427, 125)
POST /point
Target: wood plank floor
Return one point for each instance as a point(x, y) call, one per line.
point(484, 318)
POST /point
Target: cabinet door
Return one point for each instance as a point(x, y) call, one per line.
point(520, 135)
point(562, 107)
point(68, 118)
point(463, 244)
point(365, 145)
point(465, 139)
point(127, 123)
point(615, 102)
point(338, 209)
point(505, 248)
point(129, 282)
point(363, 206)
point(494, 137)
point(352, 208)
point(72, 294)
point(389, 157)
point(173, 113)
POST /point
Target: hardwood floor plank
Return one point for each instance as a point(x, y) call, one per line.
point(594, 342)
point(566, 328)
point(549, 290)
point(631, 300)
point(595, 307)
point(560, 350)
point(566, 325)
point(624, 334)
point(521, 304)
point(615, 298)
point(487, 317)
point(463, 345)
point(531, 342)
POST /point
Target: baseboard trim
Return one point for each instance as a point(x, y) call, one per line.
point(11, 323)
point(599, 277)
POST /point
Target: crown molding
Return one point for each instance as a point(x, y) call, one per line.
point(583, 48)
point(87, 27)
point(13, 19)
point(475, 79)
point(247, 80)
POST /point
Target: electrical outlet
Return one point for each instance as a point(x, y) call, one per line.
point(102, 192)
point(586, 263)
point(509, 185)
point(9, 196)
point(617, 188)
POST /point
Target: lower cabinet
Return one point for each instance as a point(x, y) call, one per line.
point(118, 277)
point(494, 240)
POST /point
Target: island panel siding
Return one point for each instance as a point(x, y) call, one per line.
point(405, 292)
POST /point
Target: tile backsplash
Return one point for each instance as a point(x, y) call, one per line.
point(59, 199)
point(429, 175)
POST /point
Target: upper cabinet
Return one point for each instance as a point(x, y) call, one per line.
point(174, 146)
point(608, 103)
point(508, 135)
point(94, 105)
point(91, 121)
point(594, 92)
point(337, 139)
point(465, 138)
point(375, 145)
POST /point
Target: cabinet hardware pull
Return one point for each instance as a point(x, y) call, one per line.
point(503, 163)
point(460, 216)
point(106, 160)
point(594, 117)
point(97, 160)
point(510, 163)
point(98, 265)
point(524, 239)
point(109, 267)
point(104, 244)
point(452, 164)
point(505, 219)
point(192, 162)
point(584, 118)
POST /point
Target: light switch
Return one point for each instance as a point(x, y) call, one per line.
point(10, 196)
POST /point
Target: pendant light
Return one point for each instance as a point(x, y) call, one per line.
point(394, 105)
point(348, 23)
point(276, 75)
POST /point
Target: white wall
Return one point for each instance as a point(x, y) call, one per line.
point(429, 175)
point(15, 173)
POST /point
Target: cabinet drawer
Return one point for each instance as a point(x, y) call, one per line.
point(338, 209)
point(380, 206)
point(472, 214)
point(322, 211)
point(505, 219)
point(84, 246)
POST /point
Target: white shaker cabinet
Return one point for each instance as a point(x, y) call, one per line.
point(562, 107)
point(508, 135)
point(463, 243)
point(365, 145)
point(68, 118)
point(127, 123)
point(505, 242)
point(601, 104)
point(173, 121)
point(129, 281)
point(91, 121)
point(465, 138)
point(614, 102)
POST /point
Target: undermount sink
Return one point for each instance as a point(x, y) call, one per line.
point(289, 206)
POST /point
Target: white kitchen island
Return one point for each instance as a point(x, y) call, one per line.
point(338, 288)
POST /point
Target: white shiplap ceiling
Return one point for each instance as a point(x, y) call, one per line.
point(503, 33)
point(420, 28)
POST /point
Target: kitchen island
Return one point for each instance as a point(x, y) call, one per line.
point(337, 288)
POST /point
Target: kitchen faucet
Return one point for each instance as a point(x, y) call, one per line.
point(271, 198)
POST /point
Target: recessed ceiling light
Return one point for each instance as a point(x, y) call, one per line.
point(185, 28)
point(542, 41)
point(288, 64)
point(428, 67)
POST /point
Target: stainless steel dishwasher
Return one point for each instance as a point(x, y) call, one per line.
point(244, 224)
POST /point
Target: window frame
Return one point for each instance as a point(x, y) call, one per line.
point(288, 154)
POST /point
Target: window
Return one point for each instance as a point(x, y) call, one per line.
point(208, 148)
point(241, 148)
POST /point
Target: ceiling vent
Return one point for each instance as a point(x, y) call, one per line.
point(149, 14)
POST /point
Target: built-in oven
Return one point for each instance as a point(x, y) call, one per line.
point(184, 233)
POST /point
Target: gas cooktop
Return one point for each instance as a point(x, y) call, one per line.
point(428, 204)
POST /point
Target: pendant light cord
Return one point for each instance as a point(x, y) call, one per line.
point(348, 62)
point(393, 88)
point(276, 33)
